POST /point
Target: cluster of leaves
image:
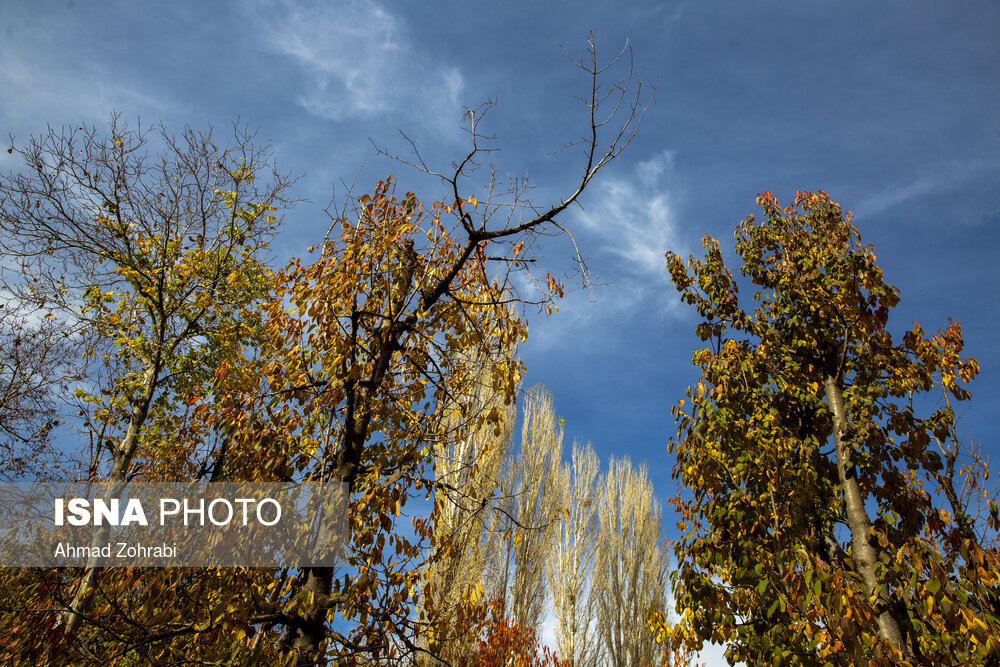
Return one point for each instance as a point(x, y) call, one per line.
point(806, 420)
point(503, 643)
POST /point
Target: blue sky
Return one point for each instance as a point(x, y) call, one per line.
point(891, 107)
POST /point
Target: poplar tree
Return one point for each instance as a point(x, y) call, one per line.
point(629, 584)
point(571, 564)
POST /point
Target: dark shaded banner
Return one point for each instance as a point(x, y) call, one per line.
point(204, 524)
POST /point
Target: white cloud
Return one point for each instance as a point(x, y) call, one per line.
point(632, 217)
point(360, 60)
point(625, 229)
point(942, 179)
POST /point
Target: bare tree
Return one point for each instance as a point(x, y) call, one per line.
point(572, 560)
point(630, 578)
point(38, 361)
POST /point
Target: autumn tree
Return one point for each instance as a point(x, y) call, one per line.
point(630, 573)
point(149, 258)
point(152, 261)
point(570, 567)
point(531, 496)
point(496, 504)
point(399, 312)
point(814, 531)
point(466, 478)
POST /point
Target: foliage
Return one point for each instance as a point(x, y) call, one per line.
point(630, 578)
point(152, 264)
point(530, 500)
point(556, 532)
point(375, 347)
point(203, 363)
point(154, 261)
point(814, 532)
point(356, 377)
point(570, 569)
point(504, 643)
point(466, 473)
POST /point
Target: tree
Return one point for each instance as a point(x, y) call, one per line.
point(813, 531)
point(571, 564)
point(150, 259)
point(496, 510)
point(630, 578)
point(531, 497)
point(466, 478)
point(387, 324)
point(154, 264)
point(36, 367)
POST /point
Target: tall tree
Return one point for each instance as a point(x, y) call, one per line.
point(813, 531)
point(151, 260)
point(466, 478)
point(630, 578)
point(532, 495)
point(571, 563)
point(390, 320)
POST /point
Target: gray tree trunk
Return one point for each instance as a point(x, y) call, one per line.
point(862, 552)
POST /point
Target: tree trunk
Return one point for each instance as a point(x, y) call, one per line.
point(863, 553)
point(309, 635)
point(73, 616)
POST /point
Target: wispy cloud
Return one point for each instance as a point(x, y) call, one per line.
point(625, 229)
point(631, 217)
point(360, 59)
point(941, 179)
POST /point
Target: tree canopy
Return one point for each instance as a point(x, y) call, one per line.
point(821, 523)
